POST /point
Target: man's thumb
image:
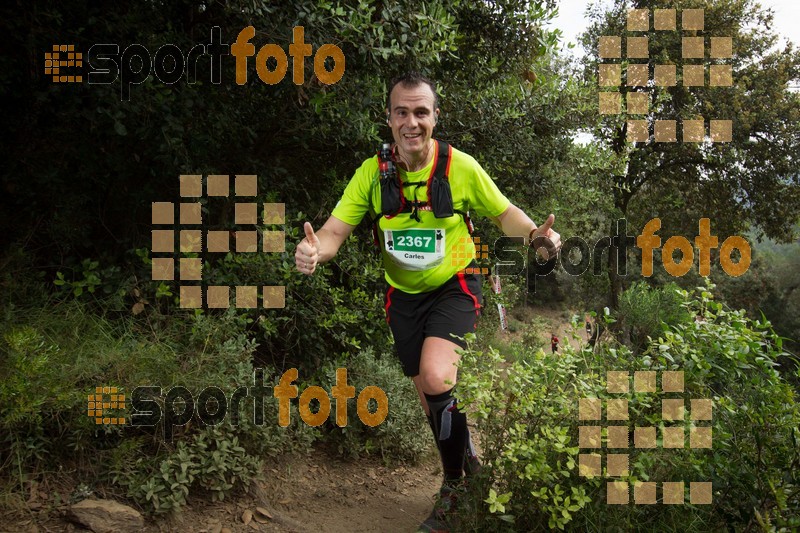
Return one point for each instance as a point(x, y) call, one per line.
point(541, 230)
point(310, 235)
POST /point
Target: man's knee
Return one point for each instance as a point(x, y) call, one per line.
point(438, 378)
point(437, 369)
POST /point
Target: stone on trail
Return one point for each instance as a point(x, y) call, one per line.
point(106, 516)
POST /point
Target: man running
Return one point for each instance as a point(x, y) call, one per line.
point(433, 296)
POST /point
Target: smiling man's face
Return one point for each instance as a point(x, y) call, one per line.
point(412, 119)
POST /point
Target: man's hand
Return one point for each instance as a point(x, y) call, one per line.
point(307, 254)
point(545, 241)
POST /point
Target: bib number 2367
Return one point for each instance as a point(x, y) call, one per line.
point(415, 249)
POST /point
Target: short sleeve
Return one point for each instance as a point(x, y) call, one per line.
point(484, 195)
point(355, 201)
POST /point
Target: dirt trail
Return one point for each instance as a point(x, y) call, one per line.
point(558, 322)
point(561, 327)
point(312, 493)
point(327, 494)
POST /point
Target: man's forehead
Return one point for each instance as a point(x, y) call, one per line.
point(419, 96)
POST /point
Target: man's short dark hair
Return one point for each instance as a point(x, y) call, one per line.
point(409, 80)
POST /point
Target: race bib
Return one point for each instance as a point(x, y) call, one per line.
point(415, 249)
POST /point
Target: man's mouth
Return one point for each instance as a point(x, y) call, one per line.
point(412, 136)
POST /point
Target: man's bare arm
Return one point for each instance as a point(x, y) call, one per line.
point(515, 223)
point(322, 246)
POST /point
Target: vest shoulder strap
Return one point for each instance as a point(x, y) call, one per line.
point(441, 166)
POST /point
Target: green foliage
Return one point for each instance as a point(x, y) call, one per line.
point(529, 432)
point(212, 460)
point(645, 312)
point(404, 435)
point(33, 398)
point(733, 360)
point(533, 336)
point(52, 357)
point(28, 382)
point(89, 280)
point(510, 296)
point(309, 137)
point(769, 286)
point(584, 210)
point(524, 424)
point(84, 218)
point(343, 301)
point(736, 184)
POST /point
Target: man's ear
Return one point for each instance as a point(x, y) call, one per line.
point(387, 116)
point(436, 116)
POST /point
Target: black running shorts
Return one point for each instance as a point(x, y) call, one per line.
point(451, 309)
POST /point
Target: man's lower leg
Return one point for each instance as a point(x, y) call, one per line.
point(450, 429)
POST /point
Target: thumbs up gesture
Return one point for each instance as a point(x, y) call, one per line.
point(307, 254)
point(545, 240)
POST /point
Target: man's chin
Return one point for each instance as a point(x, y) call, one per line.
point(414, 145)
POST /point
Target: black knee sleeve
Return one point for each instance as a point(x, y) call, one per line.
point(433, 428)
point(450, 428)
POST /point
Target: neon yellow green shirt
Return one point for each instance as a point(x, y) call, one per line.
point(411, 260)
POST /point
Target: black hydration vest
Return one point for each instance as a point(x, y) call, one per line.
point(440, 199)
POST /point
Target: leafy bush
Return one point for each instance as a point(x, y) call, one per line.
point(525, 427)
point(490, 315)
point(215, 460)
point(529, 432)
point(404, 435)
point(28, 382)
point(53, 357)
point(733, 360)
point(644, 312)
point(38, 392)
point(533, 336)
point(212, 459)
point(343, 300)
